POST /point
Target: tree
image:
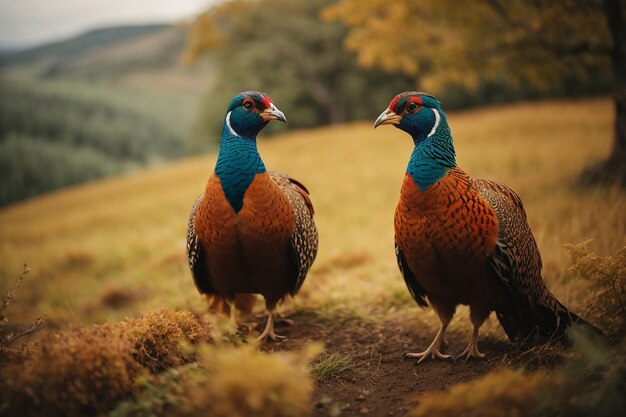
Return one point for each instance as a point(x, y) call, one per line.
point(283, 48)
point(299, 61)
point(614, 11)
point(541, 43)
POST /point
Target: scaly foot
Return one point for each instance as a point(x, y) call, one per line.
point(434, 350)
point(435, 353)
point(444, 344)
point(472, 347)
point(472, 351)
point(268, 332)
point(270, 335)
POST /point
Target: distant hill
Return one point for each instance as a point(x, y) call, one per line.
point(101, 103)
point(145, 58)
point(57, 52)
point(6, 50)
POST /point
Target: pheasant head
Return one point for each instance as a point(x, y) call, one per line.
point(238, 161)
point(249, 112)
point(418, 114)
point(421, 116)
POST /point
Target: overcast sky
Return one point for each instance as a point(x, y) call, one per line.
point(31, 22)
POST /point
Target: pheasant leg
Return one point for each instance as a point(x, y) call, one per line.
point(268, 332)
point(472, 348)
point(434, 350)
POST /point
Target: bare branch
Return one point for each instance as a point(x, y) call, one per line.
point(8, 295)
point(32, 328)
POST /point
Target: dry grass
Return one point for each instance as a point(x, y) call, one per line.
point(590, 378)
point(86, 370)
point(607, 276)
point(84, 241)
point(162, 364)
point(227, 382)
point(334, 366)
point(589, 383)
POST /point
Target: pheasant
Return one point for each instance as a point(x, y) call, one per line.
point(251, 231)
point(466, 241)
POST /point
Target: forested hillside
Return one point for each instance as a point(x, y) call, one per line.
point(108, 101)
point(49, 140)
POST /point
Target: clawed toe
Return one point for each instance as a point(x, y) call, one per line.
point(268, 332)
point(472, 348)
point(271, 336)
point(433, 353)
point(471, 352)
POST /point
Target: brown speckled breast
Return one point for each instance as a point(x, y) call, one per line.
point(248, 251)
point(447, 233)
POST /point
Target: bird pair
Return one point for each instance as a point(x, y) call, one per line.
point(458, 240)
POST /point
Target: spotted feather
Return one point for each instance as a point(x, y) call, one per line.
point(516, 260)
point(195, 254)
point(304, 238)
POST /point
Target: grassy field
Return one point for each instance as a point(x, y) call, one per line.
point(115, 248)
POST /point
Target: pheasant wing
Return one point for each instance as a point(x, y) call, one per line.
point(304, 239)
point(198, 262)
point(517, 262)
point(416, 290)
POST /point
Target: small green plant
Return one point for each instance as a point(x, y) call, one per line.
point(160, 395)
point(334, 366)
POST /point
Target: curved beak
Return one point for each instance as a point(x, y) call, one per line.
point(272, 113)
point(388, 117)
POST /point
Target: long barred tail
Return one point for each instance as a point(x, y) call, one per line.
point(537, 324)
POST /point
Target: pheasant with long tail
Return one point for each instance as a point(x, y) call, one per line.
point(466, 241)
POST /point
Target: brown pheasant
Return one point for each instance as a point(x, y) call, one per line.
point(252, 231)
point(466, 241)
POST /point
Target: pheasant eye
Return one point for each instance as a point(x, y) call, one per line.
point(412, 107)
point(248, 105)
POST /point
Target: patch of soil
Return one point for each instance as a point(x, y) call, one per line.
point(386, 384)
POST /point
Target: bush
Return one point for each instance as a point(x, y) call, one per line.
point(607, 275)
point(229, 382)
point(86, 371)
point(590, 383)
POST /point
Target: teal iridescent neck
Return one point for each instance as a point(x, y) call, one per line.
point(432, 156)
point(238, 162)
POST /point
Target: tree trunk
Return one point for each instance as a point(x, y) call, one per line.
point(613, 170)
point(615, 17)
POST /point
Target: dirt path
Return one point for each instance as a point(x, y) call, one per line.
point(385, 384)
